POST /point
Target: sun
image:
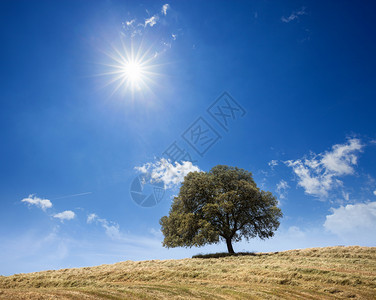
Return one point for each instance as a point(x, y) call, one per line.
point(133, 71)
point(130, 68)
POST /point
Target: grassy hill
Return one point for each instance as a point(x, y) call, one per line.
point(316, 273)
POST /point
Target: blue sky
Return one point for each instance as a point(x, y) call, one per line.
point(78, 128)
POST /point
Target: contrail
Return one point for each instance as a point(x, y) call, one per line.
point(74, 195)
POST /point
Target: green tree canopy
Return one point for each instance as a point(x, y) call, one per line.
point(222, 204)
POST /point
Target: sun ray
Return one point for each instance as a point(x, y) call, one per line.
point(131, 68)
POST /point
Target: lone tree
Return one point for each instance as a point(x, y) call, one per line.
point(222, 204)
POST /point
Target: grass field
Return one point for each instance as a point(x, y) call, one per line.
point(316, 273)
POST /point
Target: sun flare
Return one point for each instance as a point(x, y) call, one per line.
point(131, 69)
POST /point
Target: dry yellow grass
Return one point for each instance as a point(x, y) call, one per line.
point(316, 273)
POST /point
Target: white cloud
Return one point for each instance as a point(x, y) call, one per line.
point(91, 218)
point(151, 21)
point(168, 173)
point(342, 157)
point(294, 15)
point(282, 186)
point(131, 22)
point(111, 228)
point(41, 203)
point(346, 196)
point(45, 203)
point(310, 179)
point(147, 25)
point(143, 169)
point(374, 192)
point(317, 175)
point(65, 215)
point(165, 8)
point(295, 232)
point(273, 163)
point(353, 221)
point(156, 232)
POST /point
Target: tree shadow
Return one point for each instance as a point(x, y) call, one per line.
point(226, 254)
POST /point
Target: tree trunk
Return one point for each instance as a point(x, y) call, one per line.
point(229, 246)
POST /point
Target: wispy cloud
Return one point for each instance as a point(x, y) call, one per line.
point(133, 25)
point(130, 22)
point(91, 218)
point(156, 233)
point(52, 248)
point(153, 24)
point(65, 215)
point(319, 174)
point(111, 228)
point(273, 163)
point(294, 15)
point(295, 232)
point(346, 195)
point(282, 187)
point(168, 173)
point(151, 21)
point(165, 7)
point(38, 202)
